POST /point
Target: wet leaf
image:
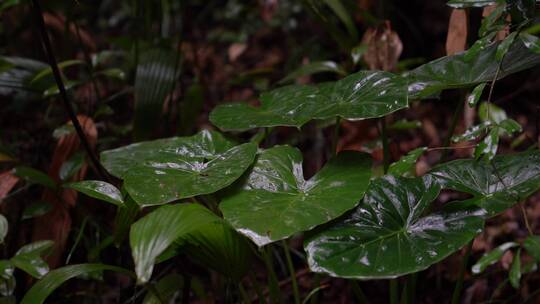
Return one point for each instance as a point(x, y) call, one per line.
point(515, 271)
point(532, 245)
point(488, 146)
point(388, 235)
point(474, 97)
point(473, 132)
point(531, 42)
point(185, 223)
point(384, 47)
point(509, 127)
point(44, 287)
point(99, 190)
point(492, 257)
point(504, 46)
point(457, 71)
point(314, 68)
point(34, 176)
point(164, 170)
point(276, 202)
point(71, 166)
point(362, 95)
point(406, 165)
point(470, 3)
point(495, 185)
point(29, 258)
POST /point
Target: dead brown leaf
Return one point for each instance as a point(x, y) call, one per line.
point(56, 224)
point(456, 40)
point(7, 182)
point(235, 50)
point(384, 47)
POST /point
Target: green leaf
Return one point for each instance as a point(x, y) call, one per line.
point(99, 190)
point(357, 53)
point(344, 15)
point(470, 3)
point(532, 245)
point(155, 78)
point(492, 257)
point(474, 97)
point(4, 226)
point(473, 132)
point(531, 42)
point(168, 288)
point(490, 112)
point(63, 131)
point(48, 71)
point(185, 223)
point(125, 216)
point(509, 127)
point(366, 94)
point(515, 271)
point(488, 147)
point(495, 185)
point(164, 170)
point(314, 68)
point(34, 176)
point(71, 166)
point(389, 234)
point(406, 165)
point(28, 258)
point(44, 287)
point(189, 109)
point(457, 71)
point(276, 202)
point(504, 46)
point(36, 209)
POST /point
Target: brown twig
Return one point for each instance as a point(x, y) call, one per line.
point(63, 94)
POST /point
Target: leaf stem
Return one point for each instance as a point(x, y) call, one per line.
point(273, 285)
point(394, 286)
point(59, 82)
point(525, 218)
point(456, 296)
point(292, 273)
point(335, 139)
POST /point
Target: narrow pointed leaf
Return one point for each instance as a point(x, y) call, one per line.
point(34, 176)
point(488, 147)
point(474, 97)
point(277, 202)
point(515, 271)
point(504, 46)
point(491, 112)
point(510, 126)
point(388, 235)
point(495, 185)
point(36, 209)
point(55, 278)
point(161, 171)
point(314, 68)
point(29, 258)
point(167, 287)
point(406, 165)
point(531, 42)
point(492, 257)
point(532, 245)
point(99, 190)
point(4, 225)
point(366, 94)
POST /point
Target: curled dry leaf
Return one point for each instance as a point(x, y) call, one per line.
point(56, 224)
point(384, 47)
point(456, 40)
point(235, 50)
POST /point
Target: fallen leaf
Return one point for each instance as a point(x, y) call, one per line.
point(7, 182)
point(235, 50)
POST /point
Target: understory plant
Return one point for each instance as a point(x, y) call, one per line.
point(224, 202)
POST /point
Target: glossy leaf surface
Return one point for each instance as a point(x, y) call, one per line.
point(388, 235)
point(164, 170)
point(55, 278)
point(34, 176)
point(277, 202)
point(99, 190)
point(470, 3)
point(28, 258)
point(492, 257)
point(495, 186)
point(366, 94)
point(406, 165)
point(515, 271)
point(466, 70)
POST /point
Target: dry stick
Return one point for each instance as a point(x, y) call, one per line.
point(58, 78)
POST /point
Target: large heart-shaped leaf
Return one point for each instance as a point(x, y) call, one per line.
point(458, 71)
point(366, 94)
point(165, 170)
point(193, 226)
point(388, 234)
point(495, 185)
point(276, 202)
